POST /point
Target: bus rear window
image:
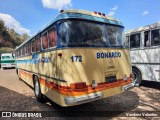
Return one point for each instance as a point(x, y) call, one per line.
point(87, 33)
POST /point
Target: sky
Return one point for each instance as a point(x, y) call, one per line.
point(29, 16)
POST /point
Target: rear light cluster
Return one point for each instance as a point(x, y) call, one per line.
point(79, 85)
point(99, 13)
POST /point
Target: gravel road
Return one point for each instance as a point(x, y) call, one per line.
point(15, 95)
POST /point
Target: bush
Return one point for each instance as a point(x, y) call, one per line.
point(6, 50)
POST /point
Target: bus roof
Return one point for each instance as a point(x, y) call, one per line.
point(79, 14)
point(144, 28)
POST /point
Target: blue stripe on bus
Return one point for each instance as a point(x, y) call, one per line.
point(86, 17)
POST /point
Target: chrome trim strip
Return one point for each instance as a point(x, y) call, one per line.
point(83, 99)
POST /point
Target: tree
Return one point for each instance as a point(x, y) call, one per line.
point(2, 26)
point(25, 36)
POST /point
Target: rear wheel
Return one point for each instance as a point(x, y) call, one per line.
point(37, 90)
point(17, 71)
point(137, 77)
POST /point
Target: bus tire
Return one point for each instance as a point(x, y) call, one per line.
point(37, 90)
point(137, 77)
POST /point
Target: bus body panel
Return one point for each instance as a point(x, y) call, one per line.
point(89, 69)
point(148, 62)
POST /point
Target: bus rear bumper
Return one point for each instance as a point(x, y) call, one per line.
point(128, 87)
point(83, 99)
point(7, 65)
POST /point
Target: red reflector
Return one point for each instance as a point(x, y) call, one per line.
point(60, 54)
point(79, 85)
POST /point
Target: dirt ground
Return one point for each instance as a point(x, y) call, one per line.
point(15, 95)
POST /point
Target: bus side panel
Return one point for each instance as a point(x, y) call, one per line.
point(148, 62)
point(24, 67)
point(40, 65)
point(52, 65)
point(52, 94)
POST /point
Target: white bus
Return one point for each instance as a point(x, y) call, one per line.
point(7, 60)
point(144, 43)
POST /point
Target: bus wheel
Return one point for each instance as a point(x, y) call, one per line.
point(37, 90)
point(137, 78)
point(17, 71)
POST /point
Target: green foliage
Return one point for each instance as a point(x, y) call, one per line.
point(2, 27)
point(6, 50)
point(9, 39)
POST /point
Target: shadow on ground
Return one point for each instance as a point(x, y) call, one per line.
point(151, 84)
point(13, 101)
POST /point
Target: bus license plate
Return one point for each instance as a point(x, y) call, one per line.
point(111, 79)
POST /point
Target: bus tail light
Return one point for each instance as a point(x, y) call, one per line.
point(79, 85)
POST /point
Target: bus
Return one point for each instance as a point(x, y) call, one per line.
point(78, 57)
point(7, 60)
point(144, 43)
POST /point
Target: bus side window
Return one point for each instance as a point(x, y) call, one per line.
point(26, 50)
point(155, 38)
point(33, 46)
point(126, 42)
point(135, 40)
point(45, 41)
point(38, 43)
point(23, 51)
point(18, 53)
point(29, 48)
point(147, 39)
point(52, 35)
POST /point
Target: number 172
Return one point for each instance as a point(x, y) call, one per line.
point(76, 58)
